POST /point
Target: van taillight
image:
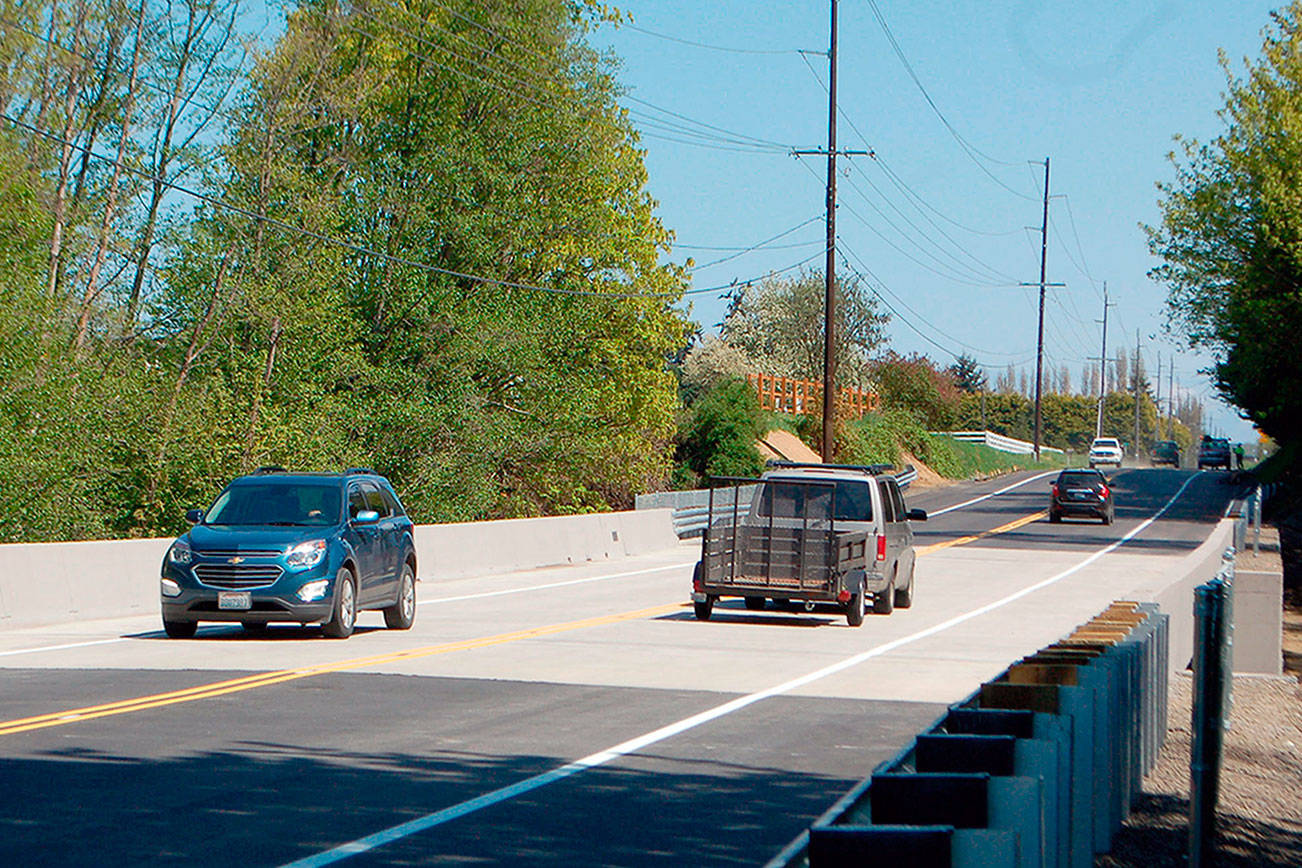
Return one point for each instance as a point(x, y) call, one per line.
point(881, 547)
point(1104, 492)
point(1055, 489)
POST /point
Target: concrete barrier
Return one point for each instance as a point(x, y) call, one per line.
point(51, 583)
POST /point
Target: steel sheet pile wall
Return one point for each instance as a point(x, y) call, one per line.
point(1037, 769)
point(1212, 698)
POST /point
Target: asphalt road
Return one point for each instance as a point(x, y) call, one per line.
point(558, 717)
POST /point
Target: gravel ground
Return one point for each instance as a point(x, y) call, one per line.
point(1260, 811)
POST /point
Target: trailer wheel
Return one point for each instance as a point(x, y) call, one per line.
point(755, 604)
point(854, 608)
point(703, 608)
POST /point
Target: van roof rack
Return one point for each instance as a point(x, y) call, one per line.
point(360, 470)
point(874, 469)
point(270, 468)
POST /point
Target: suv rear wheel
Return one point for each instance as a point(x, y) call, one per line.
point(402, 613)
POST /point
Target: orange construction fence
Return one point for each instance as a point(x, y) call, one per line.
point(785, 395)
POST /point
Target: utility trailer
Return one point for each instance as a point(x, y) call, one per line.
point(784, 542)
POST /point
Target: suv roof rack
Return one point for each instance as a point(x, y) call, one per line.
point(360, 470)
point(270, 468)
point(874, 469)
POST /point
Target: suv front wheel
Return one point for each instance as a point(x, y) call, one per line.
point(343, 617)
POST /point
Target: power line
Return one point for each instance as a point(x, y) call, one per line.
point(706, 45)
point(367, 251)
point(730, 137)
point(968, 148)
point(764, 243)
point(878, 286)
point(989, 268)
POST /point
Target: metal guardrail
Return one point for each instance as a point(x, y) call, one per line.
point(1212, 700)
point(997, 441)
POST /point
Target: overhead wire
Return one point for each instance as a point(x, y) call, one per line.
point(910, 196)
point(368, 251)
point(724, 48)
point(974, 153)
point(698, 127)
point(763, 244)
point(879, 286)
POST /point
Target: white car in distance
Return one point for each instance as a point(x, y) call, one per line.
point(1106, 450)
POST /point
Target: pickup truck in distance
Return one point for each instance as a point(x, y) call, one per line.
point(1105, 450)
point(808, 532)
point(1214, 452)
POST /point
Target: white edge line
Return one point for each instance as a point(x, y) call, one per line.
point(437, 818)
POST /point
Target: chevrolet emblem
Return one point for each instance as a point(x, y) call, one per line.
point(235, 561)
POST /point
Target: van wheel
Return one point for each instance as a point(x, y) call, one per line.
point(703, 608)
point(904, 596)
point(755, 604)
point(884, 602)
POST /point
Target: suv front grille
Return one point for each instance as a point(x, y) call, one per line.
point(238, 576)
point(240, 553)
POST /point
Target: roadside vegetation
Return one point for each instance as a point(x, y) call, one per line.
point(414, 236)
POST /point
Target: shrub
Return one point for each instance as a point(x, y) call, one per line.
point(719, 436)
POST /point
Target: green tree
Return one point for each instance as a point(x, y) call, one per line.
point(721, 431)
point(779, 322)
point(1231, 235)
point(968, 375)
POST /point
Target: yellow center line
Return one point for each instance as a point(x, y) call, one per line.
point(264, 679)
point(964, 540)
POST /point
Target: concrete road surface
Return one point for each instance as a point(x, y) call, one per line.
point(557, 717)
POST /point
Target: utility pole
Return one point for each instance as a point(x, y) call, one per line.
point(829, 268)
point(1039, 338)
point(1157, 407)
point(1103, 364)
point(1135, 366)
point(1170, 397)
point(829, 290)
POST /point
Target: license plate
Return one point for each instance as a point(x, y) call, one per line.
point(235, 600)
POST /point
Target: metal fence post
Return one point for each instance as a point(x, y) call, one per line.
point(1213, 647)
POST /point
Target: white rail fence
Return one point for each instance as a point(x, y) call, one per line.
point(997, 441)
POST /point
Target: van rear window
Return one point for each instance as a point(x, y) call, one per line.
point(803, 500)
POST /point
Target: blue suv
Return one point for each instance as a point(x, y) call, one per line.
point(301, 547)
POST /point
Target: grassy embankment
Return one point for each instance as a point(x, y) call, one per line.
point(885, 437)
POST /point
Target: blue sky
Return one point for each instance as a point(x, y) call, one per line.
point(1099, 88)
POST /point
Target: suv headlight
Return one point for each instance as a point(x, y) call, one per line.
point(306, 554)
point(180, 552)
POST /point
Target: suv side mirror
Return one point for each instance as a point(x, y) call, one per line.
point(366, 516)
point(917, 515)
point(194, 516)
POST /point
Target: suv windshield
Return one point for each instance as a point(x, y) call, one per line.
point(783, 499)
point(277, 503)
